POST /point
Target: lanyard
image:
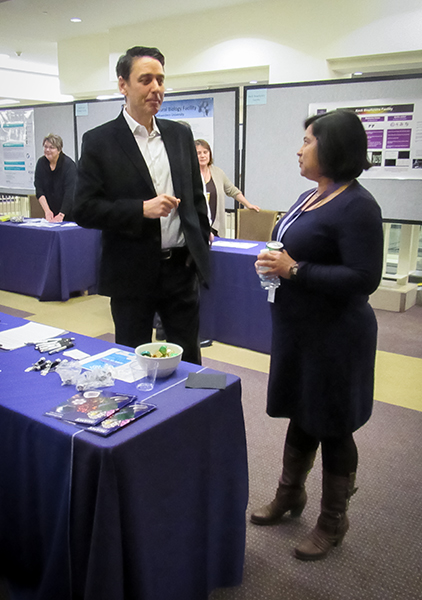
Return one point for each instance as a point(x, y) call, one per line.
point(325, 197)
point(290, 218)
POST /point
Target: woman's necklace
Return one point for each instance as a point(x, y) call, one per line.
point(316, 200)
point(309, 204)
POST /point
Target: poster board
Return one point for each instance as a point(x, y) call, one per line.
point(273, 133)
point(48, 118)
point(225, 143)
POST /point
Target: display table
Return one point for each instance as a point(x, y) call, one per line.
point(234, 310)
point(156, 511)
point(48, 263)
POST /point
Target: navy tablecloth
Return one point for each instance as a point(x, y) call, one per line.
point(234, 310)
point(156, 511)
point(48, 263)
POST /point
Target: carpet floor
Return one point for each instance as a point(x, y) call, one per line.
point(380, 556)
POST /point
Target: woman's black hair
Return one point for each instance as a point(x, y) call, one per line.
point(342, 144)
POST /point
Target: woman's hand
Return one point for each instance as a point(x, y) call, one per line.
point(242, 200)
point(49, 215)
point(58, 218)
point(277, 263)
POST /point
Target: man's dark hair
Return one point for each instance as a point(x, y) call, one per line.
point(124, 64)
point(342, 144)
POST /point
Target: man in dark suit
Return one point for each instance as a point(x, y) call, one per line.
point(139, 182)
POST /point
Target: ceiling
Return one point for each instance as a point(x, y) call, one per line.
point(31, 29)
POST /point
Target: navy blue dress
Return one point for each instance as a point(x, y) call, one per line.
point(324, 330)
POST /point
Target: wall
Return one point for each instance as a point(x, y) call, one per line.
point(293, 38)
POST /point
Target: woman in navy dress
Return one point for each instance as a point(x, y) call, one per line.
point(324, 330)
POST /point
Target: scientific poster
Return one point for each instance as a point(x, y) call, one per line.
point(197, 112)
point(394, 131)
point(17, 148)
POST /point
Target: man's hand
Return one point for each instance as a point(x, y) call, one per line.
point(160, 206)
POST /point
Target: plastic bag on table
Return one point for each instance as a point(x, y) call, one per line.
point(69, 371)
point(98, 377)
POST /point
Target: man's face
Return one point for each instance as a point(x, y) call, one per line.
point(144, 90)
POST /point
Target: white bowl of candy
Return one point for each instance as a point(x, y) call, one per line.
point(166, 355)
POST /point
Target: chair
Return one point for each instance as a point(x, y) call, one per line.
point(256, 226)
point(35, 208)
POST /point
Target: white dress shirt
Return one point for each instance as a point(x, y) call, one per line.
point(154, 152)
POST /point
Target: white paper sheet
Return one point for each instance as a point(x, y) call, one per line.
point(243, 245)
point(27, 334)
point(38, 223)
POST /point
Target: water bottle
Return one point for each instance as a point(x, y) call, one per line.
point(270, 281)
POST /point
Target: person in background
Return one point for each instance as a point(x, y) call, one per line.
point(55, 178)
point(324, 330)
point(218, 185)
point(139, 182)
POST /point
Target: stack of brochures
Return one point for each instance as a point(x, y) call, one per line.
point(103, 412)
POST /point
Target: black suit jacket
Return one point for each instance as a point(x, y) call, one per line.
point(113, 181)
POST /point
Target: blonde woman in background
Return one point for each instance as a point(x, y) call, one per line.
point(218, 186)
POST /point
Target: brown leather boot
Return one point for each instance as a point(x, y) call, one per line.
point(291, 494)
point(332, 524)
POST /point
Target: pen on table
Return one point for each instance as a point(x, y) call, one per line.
point(41, 342)
point(53, 344)
point(60, 348)
point(49, 347)
point(50, 366)
point(46, 367)
point(47, 344)
point(36, 366)
point(45, 347)
point(51, 340)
